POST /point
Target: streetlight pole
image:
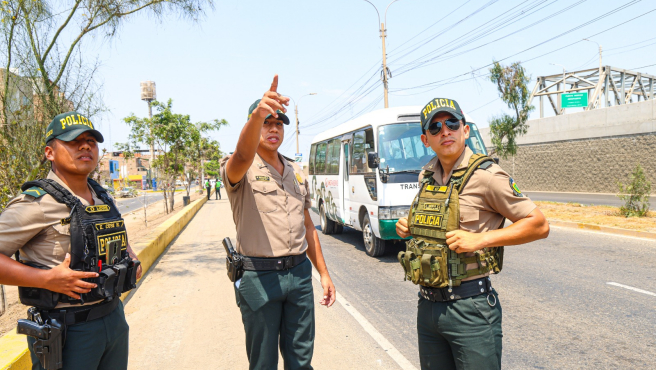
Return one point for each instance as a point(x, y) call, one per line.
point(296, 113)
point(600, 49)
point(560, 102)
point(386, 74)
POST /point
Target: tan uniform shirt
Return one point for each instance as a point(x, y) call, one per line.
point(486, 199)
point(33, 226)
point(268, 209)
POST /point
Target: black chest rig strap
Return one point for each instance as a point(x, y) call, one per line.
point(98, 244)
point(434, 212)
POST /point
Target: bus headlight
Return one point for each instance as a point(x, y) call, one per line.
point(393, 213)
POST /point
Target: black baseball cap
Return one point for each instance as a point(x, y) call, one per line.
point(438, 105)
point(281, 115)
point(67, 126)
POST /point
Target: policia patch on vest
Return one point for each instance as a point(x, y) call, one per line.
point(428, 219)
point(515, 188)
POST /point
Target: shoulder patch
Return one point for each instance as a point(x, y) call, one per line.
point(35, 191)
point(515, 188)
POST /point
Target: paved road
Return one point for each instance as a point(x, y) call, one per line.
point(560, 311)
point(582, 198)
point(132, 204)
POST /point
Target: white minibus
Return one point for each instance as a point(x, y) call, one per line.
point(364, 173)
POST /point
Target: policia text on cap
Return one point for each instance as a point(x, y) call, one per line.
point(456, 223)
point(73, 259)
point(269, 197)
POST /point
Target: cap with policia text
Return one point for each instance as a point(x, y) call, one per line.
point(68, 126)
point(281, 115)
point(438, 105)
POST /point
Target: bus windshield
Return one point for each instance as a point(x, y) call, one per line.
point(400, 147)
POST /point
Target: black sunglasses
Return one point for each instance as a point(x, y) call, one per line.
point(452, 124)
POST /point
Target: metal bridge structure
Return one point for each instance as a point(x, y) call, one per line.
point(606, 86)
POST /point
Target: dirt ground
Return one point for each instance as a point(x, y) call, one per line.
point(137, 229)
point(597, 215)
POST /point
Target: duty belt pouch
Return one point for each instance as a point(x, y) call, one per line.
point(42, 298)
point(106, 285)
point(131, 275)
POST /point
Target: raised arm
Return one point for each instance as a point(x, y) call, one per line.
point(249, 139)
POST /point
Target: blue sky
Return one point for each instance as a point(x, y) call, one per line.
point(217, 67)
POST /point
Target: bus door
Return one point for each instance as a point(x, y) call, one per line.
point(344, 171)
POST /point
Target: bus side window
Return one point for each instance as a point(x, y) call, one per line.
point(363, 143)
point(313, 153)
point(332, 157)
point(320, 159)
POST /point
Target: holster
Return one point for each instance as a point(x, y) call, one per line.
point(234, 267)
point(49, 343)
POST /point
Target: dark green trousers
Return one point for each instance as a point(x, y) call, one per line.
point(277, 309)
point(464, 334)
point(100, 344)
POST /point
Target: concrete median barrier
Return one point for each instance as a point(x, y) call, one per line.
point(14, 354)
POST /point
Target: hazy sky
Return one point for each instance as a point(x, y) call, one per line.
point(217, 67)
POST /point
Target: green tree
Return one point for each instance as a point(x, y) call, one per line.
point(512, 84)
point(46, 70)
point(636, 194)
point(201, 148)
point(172, 135)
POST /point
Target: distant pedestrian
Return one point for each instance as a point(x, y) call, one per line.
point(207, 186)
point(217, 184)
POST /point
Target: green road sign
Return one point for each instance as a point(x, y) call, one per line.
point(574, 100)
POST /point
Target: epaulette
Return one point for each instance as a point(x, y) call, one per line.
point(35, 191)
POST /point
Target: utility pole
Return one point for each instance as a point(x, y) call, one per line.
point(385, 71)
point(296, 112)
point(386, 74)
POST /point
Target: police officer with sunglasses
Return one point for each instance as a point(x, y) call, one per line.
point(456, 223)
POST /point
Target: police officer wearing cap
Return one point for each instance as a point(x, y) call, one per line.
point(269, 197)
point(72, 256)
point(456, 223)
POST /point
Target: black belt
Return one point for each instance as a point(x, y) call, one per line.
point(466, 289)
point(78, 314)
point(272, 264)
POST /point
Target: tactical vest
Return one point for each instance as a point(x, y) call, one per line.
point(98, 244)
point(435, 211)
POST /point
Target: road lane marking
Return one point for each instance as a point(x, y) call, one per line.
point(375, 334)
point(631, 288)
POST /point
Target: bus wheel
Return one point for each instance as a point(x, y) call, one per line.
point(373, 245)
point(327, 225)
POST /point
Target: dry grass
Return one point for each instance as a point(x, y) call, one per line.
point(597, 215)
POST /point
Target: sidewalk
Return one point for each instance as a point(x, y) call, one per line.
point(184, 315)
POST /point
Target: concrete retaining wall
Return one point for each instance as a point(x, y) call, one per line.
point(587, 151)
point(14, 354)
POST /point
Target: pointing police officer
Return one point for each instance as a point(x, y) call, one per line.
point(74, 257)
point(269, 197)
point(456, 224)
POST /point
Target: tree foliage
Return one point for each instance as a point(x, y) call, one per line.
point(635, 194)
point(512, 84)
point(178, 142)
point(46, 70)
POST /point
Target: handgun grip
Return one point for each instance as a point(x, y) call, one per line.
point(227, 244)
point(31, 329)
